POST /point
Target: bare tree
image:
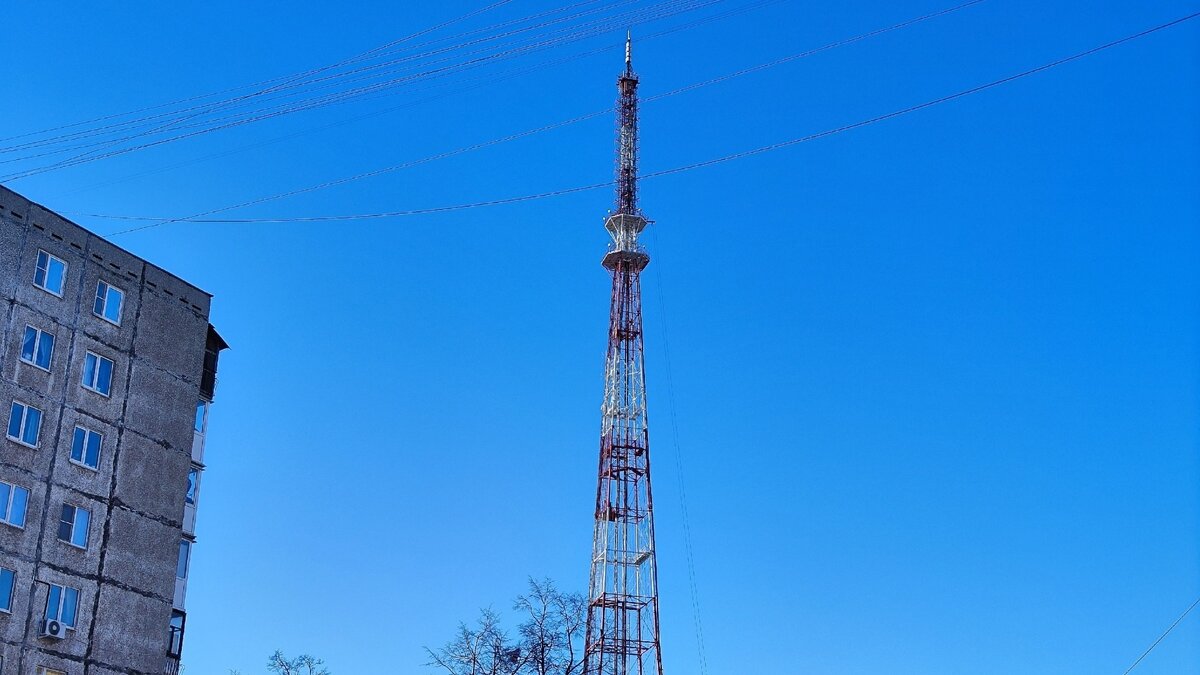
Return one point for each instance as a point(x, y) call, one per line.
point(547, 641)
point(301, 665)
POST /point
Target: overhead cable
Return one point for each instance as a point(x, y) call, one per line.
point(577, 119)
point(665, 172)
point(1160, 637)
point(565, 35)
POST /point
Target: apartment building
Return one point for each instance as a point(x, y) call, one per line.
point(108, 366)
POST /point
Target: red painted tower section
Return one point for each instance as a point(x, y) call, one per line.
point(622, 636)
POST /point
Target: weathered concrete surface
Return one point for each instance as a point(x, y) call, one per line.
point(126, 575)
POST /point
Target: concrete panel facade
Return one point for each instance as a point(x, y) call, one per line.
point(124, 573)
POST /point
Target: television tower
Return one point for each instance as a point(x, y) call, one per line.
point(622, 624)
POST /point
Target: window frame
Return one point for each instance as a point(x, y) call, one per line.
point(12, 493)
point(175, 635)
point(62, 602)
point(184, 562)
point(103, 301)
point(192, 492)
point(201, 424)
point(37, 265)
point(25, 408)
point(37, 343)
point(96, 373)
point(87, 434)
point(6, 605)
point(74, 525)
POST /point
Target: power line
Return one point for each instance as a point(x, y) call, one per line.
point(273, 82)
point(1160, 637)
point(476, 82)
point(560, 36)
point(270, 81)
point(679, 474)
point(588, 116)
point(664, 172)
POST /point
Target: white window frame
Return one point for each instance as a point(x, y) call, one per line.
point(37, 343)
point(75, 529)
point(62, 602)
point(24, 423)
point(12, 492)
point(50, 256)
point(12, 594)
point(195, 496)
point(104, 302)
point(185, 559)
point(87, 434)
point(95, 374)
point(201, 425)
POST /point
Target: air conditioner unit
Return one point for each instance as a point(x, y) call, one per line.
point(53, 628)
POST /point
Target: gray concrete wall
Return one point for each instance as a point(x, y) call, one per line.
point(126, 576)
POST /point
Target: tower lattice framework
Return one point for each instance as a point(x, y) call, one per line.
point(622, 635)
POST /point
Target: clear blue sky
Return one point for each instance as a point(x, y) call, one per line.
point(935, 379)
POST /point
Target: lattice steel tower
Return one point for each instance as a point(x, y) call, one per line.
point(622, 626)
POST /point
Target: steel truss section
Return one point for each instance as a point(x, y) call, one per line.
point(622, 633)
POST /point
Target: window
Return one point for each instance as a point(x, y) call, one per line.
point(43, 670)
point(85, 447)
point(51, 273)
point(108, 303)
point(181, 568)
point(73, 525)
point(175, 645)
point(8, 580)
point(24, 424)
point(37, 348)
point(193, 483)
point(62, 604)
point(201, 415)
point(97, 373)
point(13, 500)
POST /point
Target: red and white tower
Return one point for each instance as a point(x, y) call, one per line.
point(622, 635)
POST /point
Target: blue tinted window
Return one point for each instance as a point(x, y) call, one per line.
point(77, 443)
point(104, 377)
point(29, 344)
point(97, 373)
point(58, 272)
point(5, 493)
point(108, 302)
point(20, 499)
point(69, 607)
point(181, 568)
point(83, 525)
point(193, 477)
point(24, 423)
point(201, 410)
point(7, 581)
point(15, 416)
point(45, 350)
point(53, 602)
point(39, 274)
point(73, 525)
point(50, 273)
point(66, 522)
point(33, 425)
point(89, 370)
point(85, 447)
point(92, 457)
point(37, 347)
